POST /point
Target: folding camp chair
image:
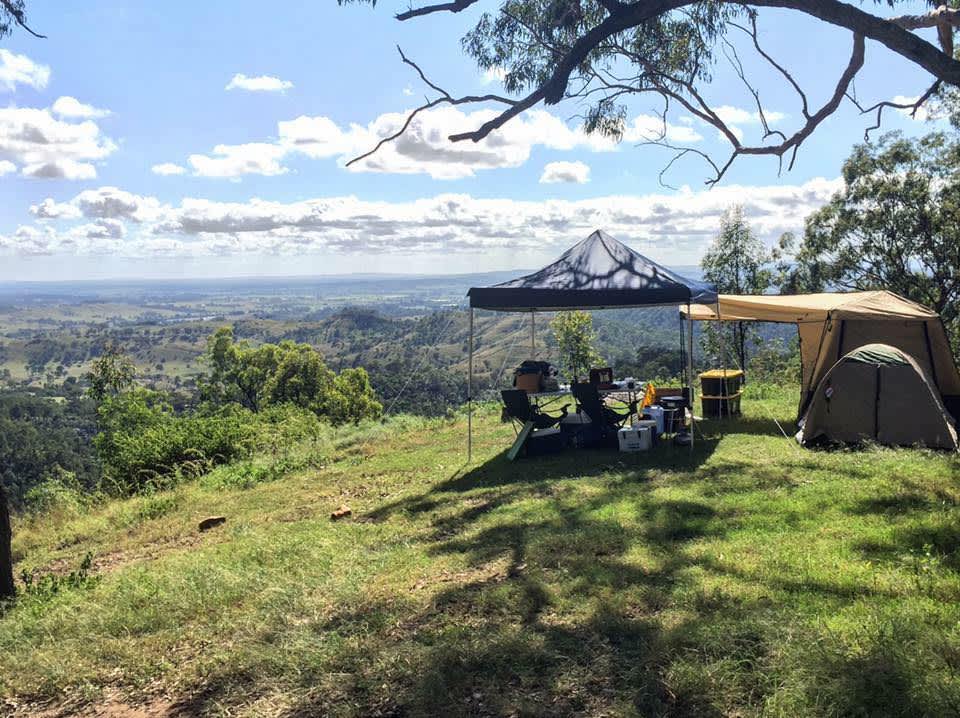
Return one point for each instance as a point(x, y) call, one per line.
point(520, 409)
point(603, 416)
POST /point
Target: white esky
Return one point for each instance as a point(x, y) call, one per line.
point(185, 139)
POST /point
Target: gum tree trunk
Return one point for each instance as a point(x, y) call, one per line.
point(7, 589)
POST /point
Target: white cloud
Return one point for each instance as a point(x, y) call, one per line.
point(555, 172)
point(739, 116)
point(50, 209)
point(423, 149)
point(231, 161)
point(126, 224)
point(72, 108)
point(21, 70)
point(61, 168)
point(6, 167)
point(48, 147)
point(168, 168)
point(650, 128)
point(260, 83)
point(32, 241)
point(408, 91)
point(101, 229)
point(115, 203)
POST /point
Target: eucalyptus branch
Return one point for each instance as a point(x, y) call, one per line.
point(19, 18)
point(879, 107)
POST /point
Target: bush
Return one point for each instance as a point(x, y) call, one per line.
point(59, 491)
point(144, 445)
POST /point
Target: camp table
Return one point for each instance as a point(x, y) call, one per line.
point(621, 393)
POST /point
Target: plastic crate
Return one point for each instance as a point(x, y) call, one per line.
point(721, 406)
point(721, 382)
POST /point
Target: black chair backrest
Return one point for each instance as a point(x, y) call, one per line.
point(588, 397)
point(517, 403)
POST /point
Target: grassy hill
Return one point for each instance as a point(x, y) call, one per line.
point(750, 577)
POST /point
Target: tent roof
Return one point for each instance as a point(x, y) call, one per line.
point(595, 273)
point(798, 308)
point(882, 354)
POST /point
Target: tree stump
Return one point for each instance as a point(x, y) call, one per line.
point(7, 589)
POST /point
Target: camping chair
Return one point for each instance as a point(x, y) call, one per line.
point(519, 408)
point(588, 397)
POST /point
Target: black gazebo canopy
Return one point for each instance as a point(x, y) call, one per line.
point(596, 273)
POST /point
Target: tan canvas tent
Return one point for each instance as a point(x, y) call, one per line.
point(831, 324)
point(880, 393)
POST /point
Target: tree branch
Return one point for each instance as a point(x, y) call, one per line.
point(455, 6)
point(445, 99)
point(783, 71)
point(566, 60)
point(939, 16)
point(879, 107)
point(18, 16)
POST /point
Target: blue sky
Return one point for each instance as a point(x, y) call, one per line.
point(147, 165)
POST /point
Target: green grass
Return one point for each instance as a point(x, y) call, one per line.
point(748, 578)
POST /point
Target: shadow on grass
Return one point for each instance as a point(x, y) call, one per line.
point(585, 590)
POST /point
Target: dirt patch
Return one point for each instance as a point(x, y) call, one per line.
point(112, 708)
point(108, 562)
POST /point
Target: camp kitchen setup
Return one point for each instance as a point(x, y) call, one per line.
point(868, 359)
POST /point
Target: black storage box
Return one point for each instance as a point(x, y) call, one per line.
point(546, 441)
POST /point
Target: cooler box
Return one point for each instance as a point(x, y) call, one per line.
point(650, 424)
point(635, 439)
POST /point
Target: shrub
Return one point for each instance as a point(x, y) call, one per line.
point(46, 586)
point(60, 490)
point(143, 444)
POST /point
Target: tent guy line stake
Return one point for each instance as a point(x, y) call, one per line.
point(470, 394)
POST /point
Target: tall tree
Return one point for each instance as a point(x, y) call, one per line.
point(111, 374)
point(894, 225)
point(600, 53)
point(285, 373)
point(7, 589)
point(737, 262)
point(573, 332)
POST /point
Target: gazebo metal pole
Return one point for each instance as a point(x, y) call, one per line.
point(470, 394)
point(690, 372)
point(533, 334)
point(723, 361)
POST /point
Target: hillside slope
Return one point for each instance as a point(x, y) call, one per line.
point(750, 577)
